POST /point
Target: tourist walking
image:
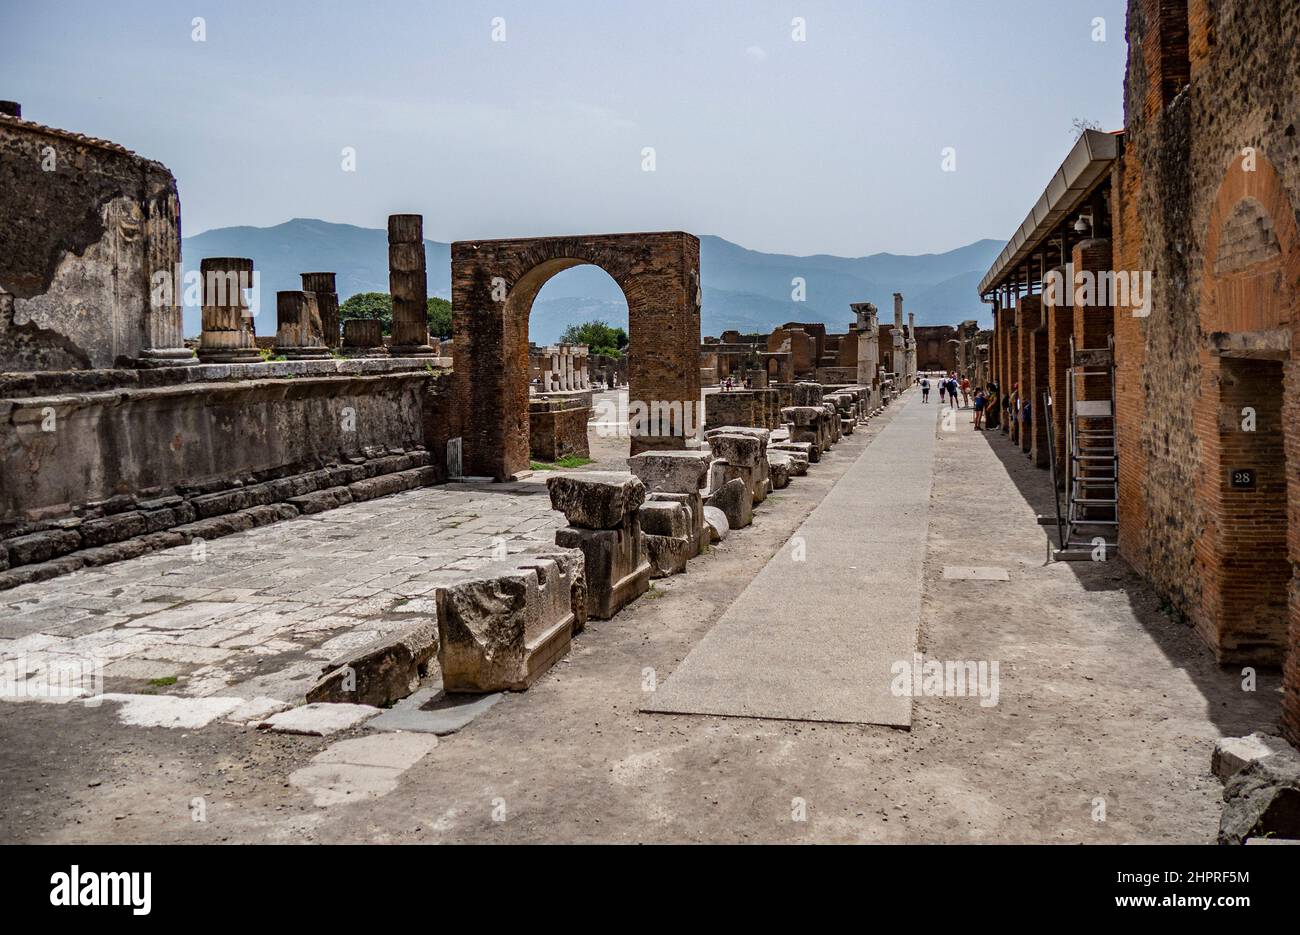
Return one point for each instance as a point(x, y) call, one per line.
point(965, 391)
point(943, 391)
point(978, 418)
point(925, 390)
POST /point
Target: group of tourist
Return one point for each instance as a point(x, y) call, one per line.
point(729, 383)
point(991, 409)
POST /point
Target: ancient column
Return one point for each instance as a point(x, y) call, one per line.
point(409, 286)
point(164, 339)
point(327, 300)
point(228, 336)
point(298, 334)
point(363, 337)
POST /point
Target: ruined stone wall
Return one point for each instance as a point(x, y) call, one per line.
point(85, 225)
point(1181, 181)
point(62, 447)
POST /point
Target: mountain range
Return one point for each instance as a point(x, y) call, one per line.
point(743, 289)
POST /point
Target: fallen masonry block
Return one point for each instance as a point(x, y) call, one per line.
point(831, 422)
point(734, 500)
point(683, 471)
point(603, 509)
point(805, 427)
point(668, 529)
point(716, 521)
point(800, 454)
point(693, 503)
point(1263, 800)
point(507, 623)
point(676, 476)
point(667, 555)
point(846, 425)
point(807, 394)
point(778, 468)
point(742, 456)
point(1233, 754)
point(665, 518)
point(382, 672)
point(595, 499)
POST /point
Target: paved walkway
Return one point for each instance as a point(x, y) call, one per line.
point(817, 635)
point(257, 613)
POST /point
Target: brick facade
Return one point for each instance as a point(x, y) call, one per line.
point(1207, 189)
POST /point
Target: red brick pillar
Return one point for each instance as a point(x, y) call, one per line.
point(1094, 319)
point(1028, 318)
point(1059, 316)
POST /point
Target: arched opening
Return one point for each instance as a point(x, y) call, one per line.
point(494, 286)
point(578, 342)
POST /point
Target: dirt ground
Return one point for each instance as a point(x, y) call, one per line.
point(1105, 705)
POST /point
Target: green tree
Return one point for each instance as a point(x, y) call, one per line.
point(369, 305)
point(439, 317)
point(380, 305)
point(599, 336)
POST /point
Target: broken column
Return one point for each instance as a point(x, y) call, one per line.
point(327, 301)
point(675, 476)
point(298, 334)
point(364, 337)
point(507, 623)
point(228, 336)
point(806, 427)
point(409, 286)
point(740, 451)
point(602, 508)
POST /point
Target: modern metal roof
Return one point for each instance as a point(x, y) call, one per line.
point(1086, 166)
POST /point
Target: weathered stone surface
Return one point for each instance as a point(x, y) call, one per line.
point(596, 499)
point(667, 555)
point(501, 628)
point(382, 672)
point(42, 546)
point(671, 471)
point(735, 500)
point(716, 521)
point(737, 450)
point(665, 518)
point(763, 435)
point(1232, 754)
point(617, 570)
point(322, 500)
point(801, 452)
point(807, 394)
point(1263, 799)
point(693, 503)
point(319, 719)
point(114, 528)
point(778, 468)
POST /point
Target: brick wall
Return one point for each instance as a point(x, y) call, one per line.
point(1223, 271)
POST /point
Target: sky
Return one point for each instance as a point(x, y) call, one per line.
point(793, 127)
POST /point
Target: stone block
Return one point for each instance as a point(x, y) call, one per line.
point(737, 450)
point(507, 623)
point(321, 500)
point(37, 547)
point(807, 394)
point(717, 524)
point(114, 528)
point(667, 555)
point(735, 500)
point(778, 467)
point(693, 503)
point(1263, 799)
point(596, 499)
point(665, 518)
point(682, 471)
point(382, 672)
point(1233, 754)
point(617, 571)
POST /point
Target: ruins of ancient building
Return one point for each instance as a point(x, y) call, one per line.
point(1161, 318)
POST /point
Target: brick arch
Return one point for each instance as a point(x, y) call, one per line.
point(1250, 286)
point(1249, 289)
point(494, 283)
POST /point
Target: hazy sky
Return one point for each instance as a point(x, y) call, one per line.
point(829, 145)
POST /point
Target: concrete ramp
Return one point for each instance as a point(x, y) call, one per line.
point(815, 640)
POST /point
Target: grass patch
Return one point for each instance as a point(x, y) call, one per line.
point(163, 682)
point(568, 462)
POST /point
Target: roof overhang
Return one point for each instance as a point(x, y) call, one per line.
point(1084, 169)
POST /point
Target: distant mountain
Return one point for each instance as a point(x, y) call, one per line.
point(743, 289)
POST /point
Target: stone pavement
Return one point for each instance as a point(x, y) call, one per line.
point(256, 614)
point(816, 635)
